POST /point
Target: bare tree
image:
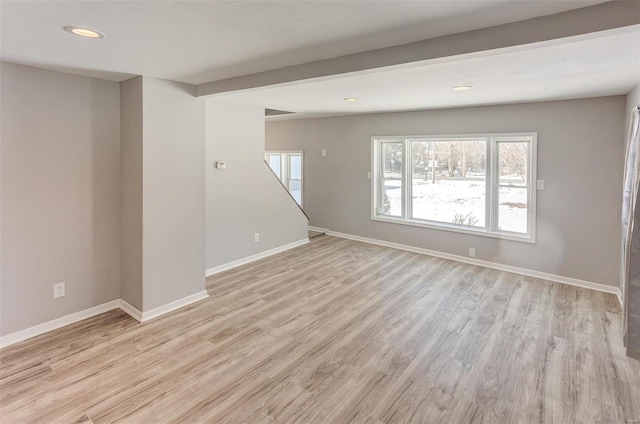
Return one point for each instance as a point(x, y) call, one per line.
point(513, 156)
point(467, 219)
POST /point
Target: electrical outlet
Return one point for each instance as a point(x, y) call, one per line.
point(58, 290)
point(256, 237)
point(472, 252)
point(324, 152)
point(540, 184)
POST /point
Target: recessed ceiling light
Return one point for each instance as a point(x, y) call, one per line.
point(84, 32)
point(462, 87)
point(350, 99)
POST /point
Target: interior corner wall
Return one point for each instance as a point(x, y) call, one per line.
point(131, 192)
point(173, 185)
point(245, 198)
point(60, 158)
point(580, 157)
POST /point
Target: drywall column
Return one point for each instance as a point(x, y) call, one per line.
point(245, 198)
point(162, 193)
point(131, 192)
point(174, 196)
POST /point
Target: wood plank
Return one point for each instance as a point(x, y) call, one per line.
point(338, 331)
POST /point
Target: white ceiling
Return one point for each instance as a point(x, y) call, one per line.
point(201, 41)
point(606, 63)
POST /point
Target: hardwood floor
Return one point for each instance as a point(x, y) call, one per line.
point(313, 234)
point(339, 331)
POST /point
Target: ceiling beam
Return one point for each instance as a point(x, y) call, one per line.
point(601, 17)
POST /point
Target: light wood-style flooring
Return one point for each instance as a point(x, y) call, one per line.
point(338, 331)
point(313, 234)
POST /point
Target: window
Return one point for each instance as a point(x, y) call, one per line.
point(288, 168)
point(479, 184)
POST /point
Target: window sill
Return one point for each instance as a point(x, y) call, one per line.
point(524, 238)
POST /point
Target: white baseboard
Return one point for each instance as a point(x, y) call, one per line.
point(172, 306)
point(45, 327)
point(39, 329)
point(508, 268)
point(318, 229)
point(233, 264)
point(131, 310)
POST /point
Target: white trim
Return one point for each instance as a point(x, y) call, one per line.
point(285, 167)
point(508, 268)
point(122, 304)
point(39, 329)
point(246, 260)
point(492, 140)
point(172, 306)
point(457, 137)
point(274, 152)
point(453, 228)
point(45, 327)
point(131, 310)
point(318, 229)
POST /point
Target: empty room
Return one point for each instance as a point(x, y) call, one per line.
point(367, 212)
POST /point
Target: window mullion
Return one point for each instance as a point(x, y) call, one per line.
point(284, 169)
point(492, 192)
point(379, 176)
point(407, 180)
point(531, 186)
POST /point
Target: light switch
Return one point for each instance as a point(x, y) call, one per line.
point(324, 152)
point(221, 164)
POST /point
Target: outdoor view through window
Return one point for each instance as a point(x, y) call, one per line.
point(287, 166)
point(480, 183)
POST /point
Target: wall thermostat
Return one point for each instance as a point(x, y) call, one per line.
point(221, 164)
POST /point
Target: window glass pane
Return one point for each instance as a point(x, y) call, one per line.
point(513, 159)
point(449, 181)
point(295, 188)
point(295, 167)
point(391, 198)
point(512, 209)
point(392, 160)
point(274, 163)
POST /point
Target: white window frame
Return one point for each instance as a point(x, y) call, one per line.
point(492, 184)
point(285, 157)
point(402, 178)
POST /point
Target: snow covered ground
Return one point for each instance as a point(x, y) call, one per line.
point(447, 197)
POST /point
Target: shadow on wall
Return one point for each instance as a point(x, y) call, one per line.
point(105, 179)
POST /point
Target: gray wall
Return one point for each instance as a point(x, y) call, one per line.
point(131, 191)
point(245, 198)
point(163, 197)
point(580, 157)
point(60, 172)
point(174, 194)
